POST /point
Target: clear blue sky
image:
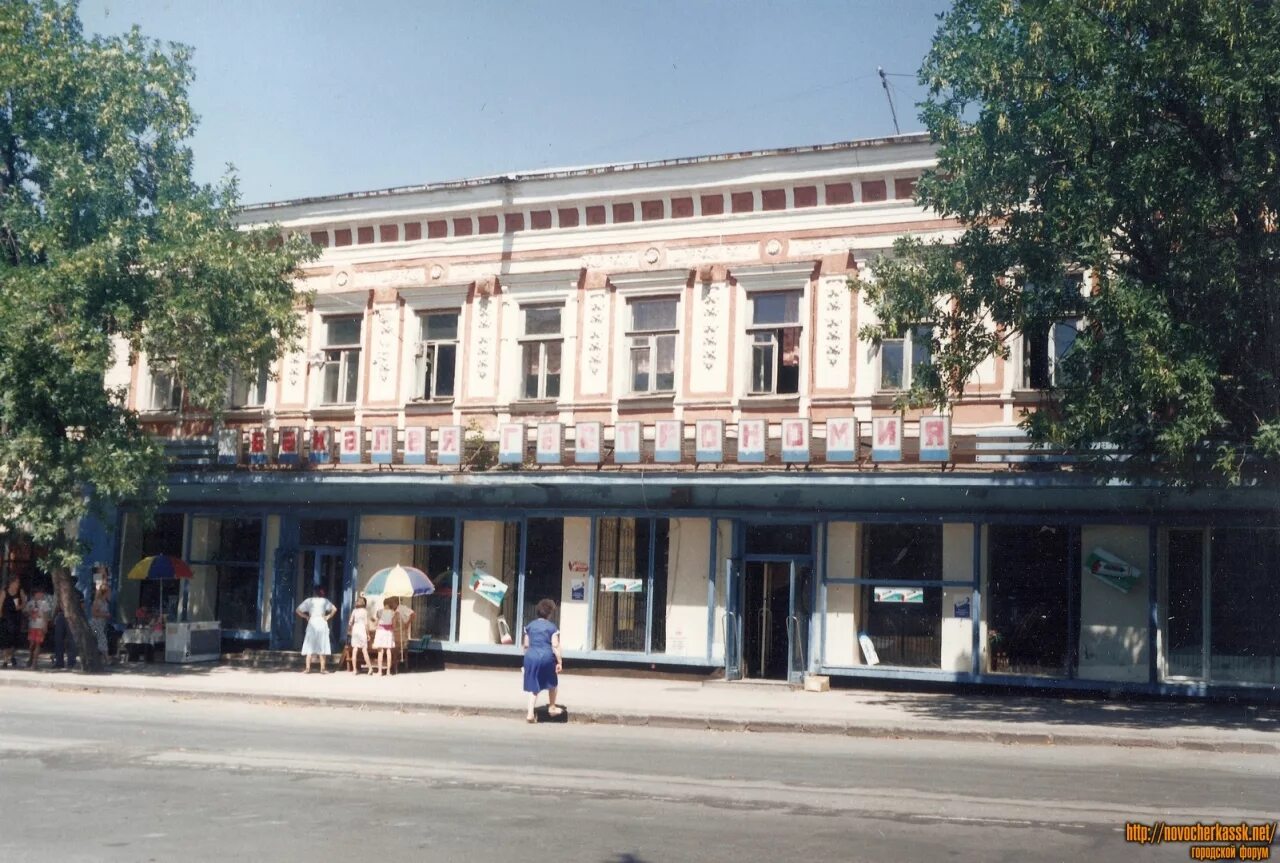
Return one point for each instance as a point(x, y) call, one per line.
point(329, 96)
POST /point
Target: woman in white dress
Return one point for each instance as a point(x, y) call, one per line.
point(317, 612)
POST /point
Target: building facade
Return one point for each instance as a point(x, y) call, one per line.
point(639, 390)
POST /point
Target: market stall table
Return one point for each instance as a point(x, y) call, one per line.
point(138, 639)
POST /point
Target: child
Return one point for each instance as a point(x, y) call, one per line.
point(384, 639)
point(358, 635)
point(39, 612)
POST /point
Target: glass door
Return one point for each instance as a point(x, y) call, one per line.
point(322, 569)
point(774, 625)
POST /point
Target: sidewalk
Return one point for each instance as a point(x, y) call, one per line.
point(1023, 719)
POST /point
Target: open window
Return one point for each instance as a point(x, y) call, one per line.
point(774, 336)
point(437, 355)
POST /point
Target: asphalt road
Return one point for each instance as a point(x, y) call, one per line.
point(135, 778)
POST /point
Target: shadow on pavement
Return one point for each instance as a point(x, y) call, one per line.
point(1136, 713)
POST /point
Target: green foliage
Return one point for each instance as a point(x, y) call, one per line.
point(1138, 140)
point(108, 246)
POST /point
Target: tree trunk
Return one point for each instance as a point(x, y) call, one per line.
point(73, 607)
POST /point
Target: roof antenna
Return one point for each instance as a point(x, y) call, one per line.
point(885, 82)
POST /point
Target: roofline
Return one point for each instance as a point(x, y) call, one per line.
point(587, 171)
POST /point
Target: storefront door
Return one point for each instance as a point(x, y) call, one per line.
point(775, 621)
point(321, 568)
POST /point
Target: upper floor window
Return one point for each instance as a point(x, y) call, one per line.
point(341, 360)
point(166, 392)
point(652, 337)
point(1044, 349)
point(774, 334)
point(540, 352)
point(437, 355)
point(247, 392)
point(1047, 343)
point(902, 359)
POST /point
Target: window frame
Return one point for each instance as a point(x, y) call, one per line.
point(907, 341)
point(652, 338)
point(427, 357)
point(346, 352)
point(542, 341)
point(1049, 345)
point(175, 392)
point(774, 330)
point(257, 393)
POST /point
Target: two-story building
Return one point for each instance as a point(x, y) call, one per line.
point(639, 390)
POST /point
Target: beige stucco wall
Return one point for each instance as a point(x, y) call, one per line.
point(957, 565)
point(1113, 625)
point(573, 615)
point(843, 561)
point(686, 612)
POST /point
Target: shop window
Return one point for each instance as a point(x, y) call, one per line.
point(901, 616)
point(228, 552)
point(540, 348)
point(1028, 625)
point(163, 536)
point(1185, 612)
point(433, 553)
point(341, 368)
point(543, 565)
point(437, 358)
point(774, 335)
point(247, 391)
point(1244, 605)
point(652, 339)
point(902, 360)
point(631, 577)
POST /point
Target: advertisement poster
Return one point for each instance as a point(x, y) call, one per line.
point(1111, 570)
point(487, 587)
point(578, 590)
point(621, 585)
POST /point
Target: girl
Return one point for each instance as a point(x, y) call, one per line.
point(384, 639)
point(358, 635)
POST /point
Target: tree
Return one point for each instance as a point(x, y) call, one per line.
point(107, 244)
point(1137, 141)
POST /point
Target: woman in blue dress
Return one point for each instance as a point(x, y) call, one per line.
point(542, 661)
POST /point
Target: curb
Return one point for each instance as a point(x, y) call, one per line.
point(682, 721)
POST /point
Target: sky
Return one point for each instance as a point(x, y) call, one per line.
point(324, 97)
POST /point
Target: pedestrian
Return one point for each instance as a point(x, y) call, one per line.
point(542, 660)
point(39, 612)
point(384, 638)
point(100, 613)
point(317, 611)
point(358, 635)
point(64, 642)
point(12, 601)
point(403, 630)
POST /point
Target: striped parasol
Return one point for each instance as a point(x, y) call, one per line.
point(404, 581)
point(158, 567)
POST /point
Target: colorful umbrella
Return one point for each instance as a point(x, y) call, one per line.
point(399, 581)
point(159, 566)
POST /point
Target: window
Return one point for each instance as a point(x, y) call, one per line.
point(433, 554)
point(902, 359)
point(247, 392)
point(1043, 352)
point(437, 355)
point(775, 343)
point(631, 600)
point(166, 392)
point(903, 619)
point(652, 337)
point(540, 347)
point(227, 553)
point(341, 360)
